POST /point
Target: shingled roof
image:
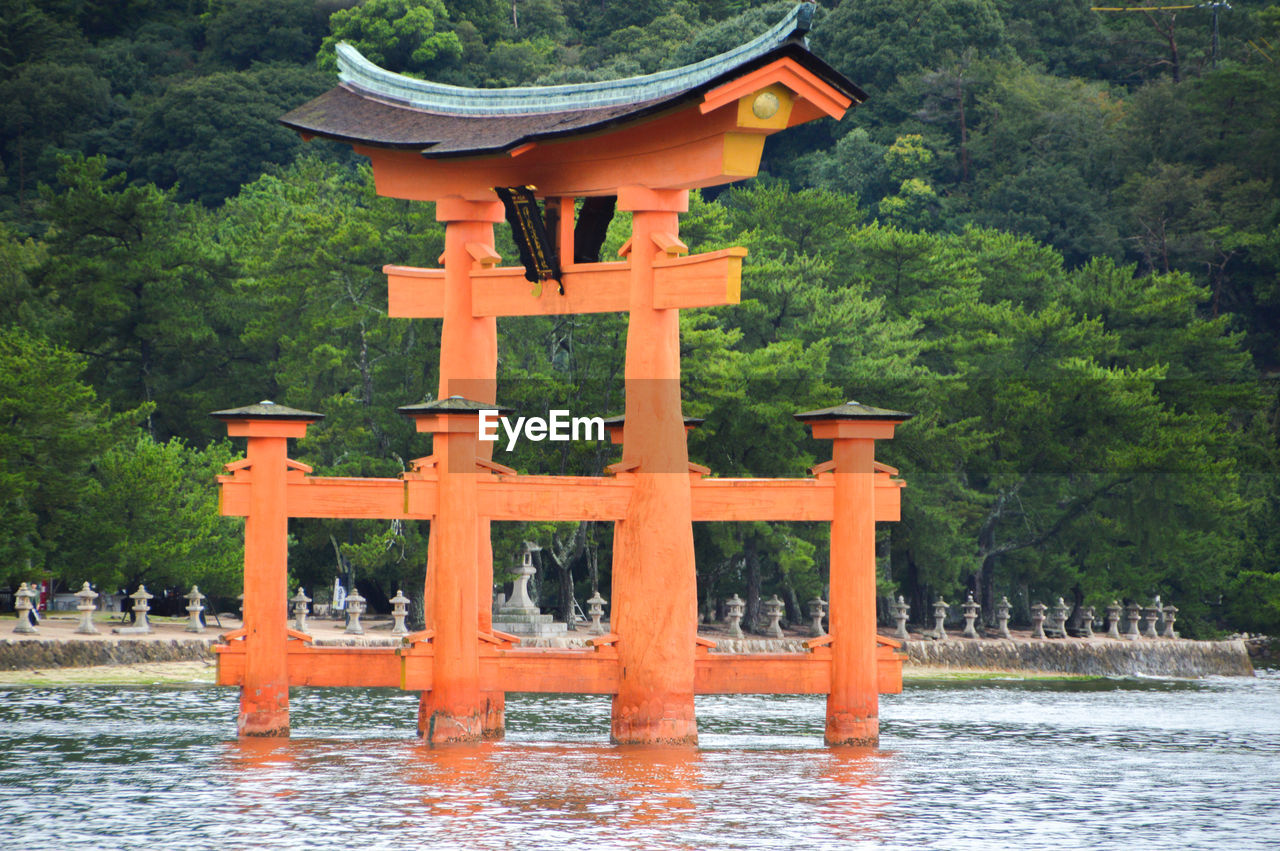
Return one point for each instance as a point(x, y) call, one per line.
point(378, 108)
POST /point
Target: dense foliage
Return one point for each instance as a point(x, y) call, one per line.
point(1051, 232)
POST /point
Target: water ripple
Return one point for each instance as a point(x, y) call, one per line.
point(994, 764)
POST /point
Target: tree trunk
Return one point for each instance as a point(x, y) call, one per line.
point(752, 614)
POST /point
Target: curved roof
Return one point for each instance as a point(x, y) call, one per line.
point(373, 106)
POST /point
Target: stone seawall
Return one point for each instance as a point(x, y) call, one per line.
point(1148, 657)
point(21, 654)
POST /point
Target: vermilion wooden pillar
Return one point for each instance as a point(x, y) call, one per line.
point(469, 367)
point(853, 704)
point(655, 586)
point(264, 695)
point(454, 709)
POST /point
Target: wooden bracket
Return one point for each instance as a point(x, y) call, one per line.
point(483, 254)
point(418, 637)
point(501, 469)
point(669, 244)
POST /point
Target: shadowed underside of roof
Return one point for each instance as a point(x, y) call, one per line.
point(378, 108)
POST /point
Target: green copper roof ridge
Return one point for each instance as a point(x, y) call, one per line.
point(357, 71)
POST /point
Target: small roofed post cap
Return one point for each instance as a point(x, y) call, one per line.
point(452, 405)
point(852, 410)
point(267, 410)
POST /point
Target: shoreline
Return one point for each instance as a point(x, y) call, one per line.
point(201, 673)
point(170, 655)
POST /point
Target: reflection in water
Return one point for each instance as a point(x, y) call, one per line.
point(996, 764)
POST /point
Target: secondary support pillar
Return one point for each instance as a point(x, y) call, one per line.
point(264, 696)
point(654, 583)
point(853, 705)
point(468, 368)
point(454, 708)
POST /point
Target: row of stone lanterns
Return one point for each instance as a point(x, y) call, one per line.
point(26, 595)
point(774, 609)
point(1050, 621)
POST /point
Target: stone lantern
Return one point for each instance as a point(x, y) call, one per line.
point(195, 605)
point(1133, 614)
point(300, 601)
point(1170, 615)
point(733, 609)
point(595, 608)
point(88, 603)
point(1086, 621)
point(817, 609)
point(22, 604)
point(773, 608)
point(1002, 618)
point(971, 609)
point(355, 608)
point(399, 611)
point(1037, 620)
point(1113, 619)
point(939, 619)
point(1058, 620)
point(900, 610)
point(141, 626)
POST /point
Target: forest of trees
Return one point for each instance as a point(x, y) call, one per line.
point(1052, 233)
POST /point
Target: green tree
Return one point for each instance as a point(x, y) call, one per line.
point(155, 520)
point(408, 36)
point(227, 126)
point(127, 282)
point(54, 429)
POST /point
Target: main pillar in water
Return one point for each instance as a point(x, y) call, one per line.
point(655, 586)
point(454, 710)
point(264, 695)
point(468, 368)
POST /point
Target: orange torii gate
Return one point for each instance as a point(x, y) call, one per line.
point(645, 141)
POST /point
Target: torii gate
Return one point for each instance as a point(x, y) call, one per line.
point(647, 141)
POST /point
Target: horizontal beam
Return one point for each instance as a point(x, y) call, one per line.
point(349, 667)
point(319, 496)
point(701, 280)
point(554, 670)
point(558, 498)
point(554, 498)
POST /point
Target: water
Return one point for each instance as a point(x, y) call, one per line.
point(991, 764)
